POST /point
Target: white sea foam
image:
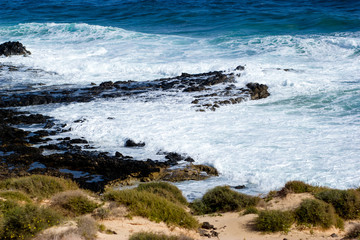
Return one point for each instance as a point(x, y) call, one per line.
point(82, 53)
point(307, 130)
point(258, 144)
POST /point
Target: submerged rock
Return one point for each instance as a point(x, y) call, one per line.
point(13, 48)
point(131, 143)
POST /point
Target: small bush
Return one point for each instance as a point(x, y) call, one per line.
point(317, 213)
point(15, 196)
point(164, 189)
point(23, 222)
point(354, 232)
point(153, 207)
point(298, 187)
point(345, 202)
point(251, 210)
point(156, 236)
point(223, 199)
point(38, 186)
point(274, 221)
point(73, 203)
point(87, 227)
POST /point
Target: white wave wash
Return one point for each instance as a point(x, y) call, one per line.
point(307, 130)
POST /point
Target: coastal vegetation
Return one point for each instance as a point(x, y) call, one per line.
point(152, 206)
point(318, 213)
point(274, 221)
point(29, 205)
point(222, 199)
point(38, 186)
point(73, 203)
point(24, 221)
point(345, 202)
point(164, 189)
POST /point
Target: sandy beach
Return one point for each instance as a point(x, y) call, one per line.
point(229, 226)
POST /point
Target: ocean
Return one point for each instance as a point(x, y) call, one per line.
point(307, 52)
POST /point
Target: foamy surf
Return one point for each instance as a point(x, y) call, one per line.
point(307, 130)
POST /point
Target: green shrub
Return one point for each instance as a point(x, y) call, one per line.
point(5, 206)
point(317, 213)
point(345, 202)
point(155, 236)
point(153, 207)
point(73, 203)
point(2, 224)
point(298, 187)
point(23, 222)
point(164, 189)
point(274, 221)
point(15, 196)
point(222, 199)
point(251, 210)
point(354, 232)
point(38, 186)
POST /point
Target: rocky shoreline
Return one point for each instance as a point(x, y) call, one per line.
point(33, 152)
point(91, 169)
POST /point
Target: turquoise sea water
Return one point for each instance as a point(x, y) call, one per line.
point(193, 18)
point(308, 129)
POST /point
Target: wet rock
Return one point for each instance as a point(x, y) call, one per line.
point(119, 155)
point(80, 120)
point(173, 158)
point(194, 89)
point(106, 85)
point(13, 48)
point(78, 141)
point(131, 143)
point(240, 68)
point(18, 154)
point(240, 187)
point(225, 93)
point(258, 91)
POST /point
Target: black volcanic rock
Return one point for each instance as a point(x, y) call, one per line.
point(208, 91)
point(131, 143)
point(258, 91)
point(13, 48)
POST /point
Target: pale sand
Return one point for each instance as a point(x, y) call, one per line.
point(230, 226)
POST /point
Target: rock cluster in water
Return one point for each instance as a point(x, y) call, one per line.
point(13, 48)
point(70, 158)
point(93, 169)
point(208, 90)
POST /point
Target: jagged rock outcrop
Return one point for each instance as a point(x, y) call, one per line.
point(258, 91)
point(13, 48)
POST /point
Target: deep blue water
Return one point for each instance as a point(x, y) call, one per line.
point(192, 17)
